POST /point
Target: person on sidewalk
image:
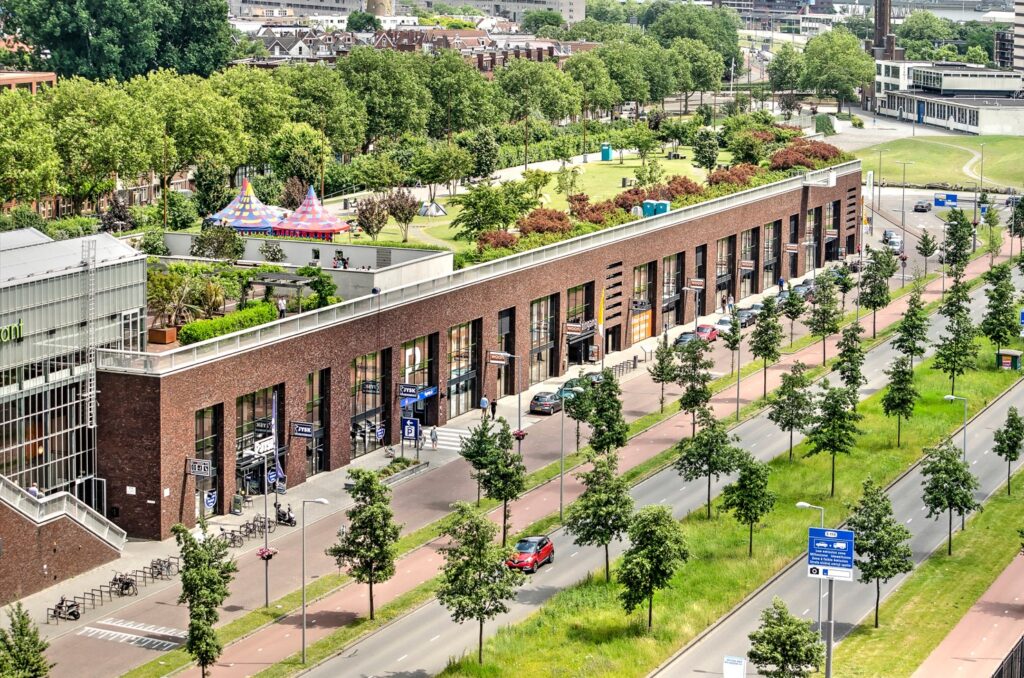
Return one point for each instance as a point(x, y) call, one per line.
point(494, 409)
point(433, 437)
point(732, 303)
point(782, 284)
point(725, 302)
point(484, 404)
point(282, 307)
point(34, 490)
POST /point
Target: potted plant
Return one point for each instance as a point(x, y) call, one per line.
point(169, 298)
point(266, 552)
point(519, 434)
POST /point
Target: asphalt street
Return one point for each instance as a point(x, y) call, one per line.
point(422, 643)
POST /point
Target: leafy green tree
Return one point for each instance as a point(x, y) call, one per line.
point(218, 242)
point(603, 512)
point(844, 282)
point(475, 584)
point(664, 369)
point(766, 338)
point(825, 315)
point(786, 69)
point(850, 361)
point(705, 149)
point(181, 211)
point(206, 572)
point(923, 25)
point(321, 283)
point(710, 452)
point(608, 429)
point(793, 406)
point(835, 65)
point(99, 132)
point(403, 207)
point(881, 545)
point(266, 102)
point(656, 550)
point(927, 246)
point(195, 36)
point(834, 429)
point(911, 336)
point(956, 249)
point(580, 407)
point(537, 19)
point(717, 28)
point(298, 150)
point(483, 148)
point(29, 163)
point(874, 284)
point(784, 646)
point(1008, 441)
point(380, 172)
point(503, 478)
point(949, 485)
point(694, 378)
point(901, 395)
point(532, 86)
point(625, 64)
point(212, 192)
point(462, 99)
point(478, 448)
point(1000, 323)
point(700, 68)
point(536, 180)
point(327, 104)
point(956, 351)
point(363, 22)
point(22, 650)
point(488, 207)
point(640, 138)
point(372, 216)
point(733, 337)
point(367, 549)
point(748, 497)
point(793, 307)
point(396, 99)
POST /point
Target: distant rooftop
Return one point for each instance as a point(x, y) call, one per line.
point(980, 102)
point(42, 259)
point(22, 237)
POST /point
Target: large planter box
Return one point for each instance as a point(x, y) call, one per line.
point(398, 477)
point(163, 335)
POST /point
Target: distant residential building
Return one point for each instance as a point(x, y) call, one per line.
point(251, 8)
point(29, 80)
point(1018, 35)
point(573, 11)
point(1002, 49)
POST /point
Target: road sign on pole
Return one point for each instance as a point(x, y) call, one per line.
point(734, 667)
point(408, 390)
point(830, 554)
point(410, 428)
point(204, 467)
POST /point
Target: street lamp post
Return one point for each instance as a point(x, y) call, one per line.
point(519, 399)
point(805, 505)
point(696, 303)
point(903, 214)
point(952, 398)
point(944, 225)
point(561, 460)
point(266, 530)
point(320, 500)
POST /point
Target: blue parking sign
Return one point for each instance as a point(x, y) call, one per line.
point(830, 553)
point(410, 428)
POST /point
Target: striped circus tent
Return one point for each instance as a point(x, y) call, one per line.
point(246, 214)
point(311, 220)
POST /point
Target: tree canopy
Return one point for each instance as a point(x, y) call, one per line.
point(835, 65)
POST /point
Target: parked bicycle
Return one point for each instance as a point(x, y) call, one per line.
point(164, 567)
point(232, 538)
point(123, 585)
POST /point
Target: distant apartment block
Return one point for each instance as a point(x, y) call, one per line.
point(1018, 35)
point(26, 80)
point(280, 8)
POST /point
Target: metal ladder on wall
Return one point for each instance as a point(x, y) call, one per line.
point(89, 318)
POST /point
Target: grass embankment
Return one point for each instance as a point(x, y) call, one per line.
point(925, 608)
point(584, 631)
point(941, 159)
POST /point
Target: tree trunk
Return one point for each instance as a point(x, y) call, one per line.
point(791, 444)
point(833, 493)
point(750, 543)
point(372, 617)
point(480, 644)
point(661, 402)
point(952, 385)
point(765, 394)
point(504, 523)
point(874, 323)
point(792, 331)
point(693, 426)
point(878, 598)
point(949, 535)
point(899, 427)
point(824, 358)
point(607, 566)
point(709, 496)
point(650, 611)
point(1008, 462)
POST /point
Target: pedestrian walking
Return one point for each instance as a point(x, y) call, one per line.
point(725, 302)
point(433, 437)
point(484, 404)
point(34, 490)
point(732, 302)
point(282, 307)
point(782, 285)
point(494, 409)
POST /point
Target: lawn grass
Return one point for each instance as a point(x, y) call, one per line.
point(584, 631)
point(941, 159)
point(929, 603)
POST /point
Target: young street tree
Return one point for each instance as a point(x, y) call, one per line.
point(949, 485)
point(834, 429)
point(900, 396)
point(367, 548)
point(793, 306)
point(603, 511)
point(766, 338)
point(881, 540)
point(784, 646)
point(1008, 441)
point(694, 378)
point(710, 452)
point(22, 650)
point(664, 369)
point(850, 362)
point(825, 314)
point(1000, 323)
point(608, 429)
point(503, 477)
point(475, 583)
point(748, 497)
point(956, 351)
point(911, 336)
point(705, 149)
point(580, 407)
point(874, 284)
point(793, 406)
point(476, 448)
point(927, 246)
point(844, 282)
point(206, 572)
point(656, 550)
point(732, 338)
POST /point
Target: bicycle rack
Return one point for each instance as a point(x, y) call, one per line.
point(104, 593)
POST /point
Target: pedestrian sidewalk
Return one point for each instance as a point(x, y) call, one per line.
point(984, 636)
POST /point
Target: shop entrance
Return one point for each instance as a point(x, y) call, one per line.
point(579, 349)
point(315, 454)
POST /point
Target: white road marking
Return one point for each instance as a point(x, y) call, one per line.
point(805, 611)
point(147, 628)
point(128, 639)
point(435, 637)
point(573, 555)
point(908, 520)
point(662, 501)
point(402, 657)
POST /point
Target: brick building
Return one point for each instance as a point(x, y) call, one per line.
point(233, 400)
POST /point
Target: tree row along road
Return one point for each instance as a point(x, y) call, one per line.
point(421, 643)
point(419, 501)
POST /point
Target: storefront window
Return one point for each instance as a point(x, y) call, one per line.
point(577, 306)
point(811, 238)
point(316, 414)
point(367, 379)
point(543, 332)
point(748, 253)
point(580, 324)
point(462, 368)
point(724, 266)
point(640, 304)
point(416, 362)
point(770, 267)
point(671, 282)
point(255, 423)
point(207, 440)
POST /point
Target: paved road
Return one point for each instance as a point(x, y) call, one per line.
point(421, 643)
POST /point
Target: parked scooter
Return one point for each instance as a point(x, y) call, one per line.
point(66, 609)
point(285, 517)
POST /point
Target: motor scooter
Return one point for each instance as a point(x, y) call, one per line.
point(66, 609)
point(285, 516)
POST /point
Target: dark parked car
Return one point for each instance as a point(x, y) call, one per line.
point(922, 206)
point(887, 234)
point(530, 553)
point(685, 338)
point(746, 317)
point(545, 402)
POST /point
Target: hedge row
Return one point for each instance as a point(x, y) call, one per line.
point(252, 315)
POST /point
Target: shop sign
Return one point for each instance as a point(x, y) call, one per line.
point(746, 264)
point(264, 446)
point(697, 283)
point(842, 252)
point(410, 428)
point(302, 429)
point(497, 358)
point(200, 467)
point(380, 432)
point(640, 305)
point(211, 499)
point(792, 248)
point(831, 233)
point(12, 332)
point(264, 426)
point(371, 387)
point(581, 327)
point(408, 390)
point(420, 394)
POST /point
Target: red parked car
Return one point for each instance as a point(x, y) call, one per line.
point(707, 332)
point(532, 552)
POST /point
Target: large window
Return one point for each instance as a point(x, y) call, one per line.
point(367, 379)
point(316, 414)
point(770, 268)
point(254, 413)
point(416, 362)
point(543, 331)
point(462, 368)
point(640, 304)
point(577, 305)
point(671, 276)
point(748, 253)
point(812, 238)
point(208, 426)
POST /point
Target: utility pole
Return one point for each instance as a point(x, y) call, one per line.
point(903, 215)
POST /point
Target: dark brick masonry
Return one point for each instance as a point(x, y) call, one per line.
point(146, 426)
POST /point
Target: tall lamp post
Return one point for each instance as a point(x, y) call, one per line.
point(319, 500)
point(519, 397)
point(805, 505)
point(903, 212)
point(953, 398)
point(561, 457)
point(696, 303)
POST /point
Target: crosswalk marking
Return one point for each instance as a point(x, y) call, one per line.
point(145, 628)
point(128, 639)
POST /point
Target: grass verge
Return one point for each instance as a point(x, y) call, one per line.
point(925, 608)
point(583, 629)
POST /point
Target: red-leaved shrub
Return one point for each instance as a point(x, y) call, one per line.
point(578, 203)
point(630, 198)
point(678, 186)
point(816, 149)
point(496, 240)
point(737, 175)
point(580, 207)
point(544, 220)
point(788, 158)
